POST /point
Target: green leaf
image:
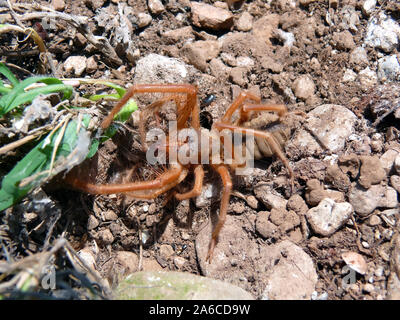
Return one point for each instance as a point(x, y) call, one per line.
point(97, 97)
point(120, 92)
point(33, 168)
point(126, 111)
point(93, 148)
point(8, 74)
point(122, 116)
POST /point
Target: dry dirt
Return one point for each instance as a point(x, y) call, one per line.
point(177, 234)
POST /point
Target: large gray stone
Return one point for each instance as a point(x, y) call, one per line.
point(163, 285)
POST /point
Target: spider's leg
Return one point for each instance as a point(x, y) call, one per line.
point(198, 185)
point(140, 189)
point(237, 104)
point(226, 193)
point(191, 106)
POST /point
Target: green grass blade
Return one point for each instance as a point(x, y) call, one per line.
point(120, 90)
point(19, 89)
point(8, 74)
point(97, 97)
point(4, 90)
point(32, 94)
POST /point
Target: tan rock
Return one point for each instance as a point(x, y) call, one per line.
point(58, 5)
point(329, 216)
point(303, 87)
point(128, 260)
point(245, 22)
point(264, 27)
point(208, 16)
point(343, 40)
point(181, 34)
point(371, 171)
point(155, 6)
point(106, 236)
point(200, 52)
point(238, 76)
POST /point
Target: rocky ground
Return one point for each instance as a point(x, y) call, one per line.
point(336, 235)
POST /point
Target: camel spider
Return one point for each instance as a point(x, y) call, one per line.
point(187, 115)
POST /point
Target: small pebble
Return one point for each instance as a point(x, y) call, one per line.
point(367, 78)
point(166, 251)
point(365, 201)
point(388, 159)
point(329, 216)
point(323, 296)
point(379, 272)
point(303, 87)
point(343, 40)
point(145, 236)
point(185, 235)
point(91, 65)
point(179, 262)
point(369, 288)
point(144, 19)
point(92, 222)
point(371, 280)
point(397, 163)
point(58, 5)
point(388, 69)
point(245, 22)
point(110, 215)
point(155, 6)
point(314, 295)
point(266, 228)
point(355, 261)
point(374, 220)
point(210, 17)
point(365, 244)
point(349, 76)
point(238, 76)
point(368, 7)
point(353, 287)
point(75, 64)
point(252, 202)
point(382, 33)
point(106, 236)
point(358, 58)
point(238, 208)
